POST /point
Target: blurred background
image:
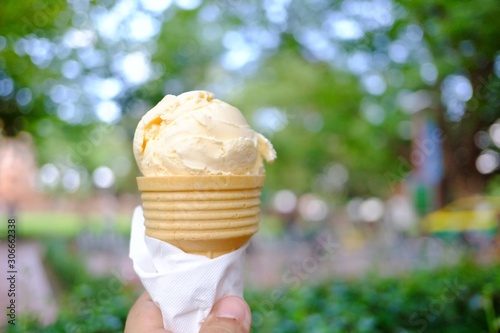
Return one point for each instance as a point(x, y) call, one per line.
point(381, 213)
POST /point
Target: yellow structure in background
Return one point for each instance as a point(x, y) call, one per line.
point(477, 213)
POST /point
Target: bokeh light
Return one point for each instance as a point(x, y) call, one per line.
point(487, 162)
point(285, 201)
point(371, 210)
point(103, 177)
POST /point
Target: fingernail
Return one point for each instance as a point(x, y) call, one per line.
point(231, 307)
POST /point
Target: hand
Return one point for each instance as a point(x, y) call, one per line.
point(230, 314)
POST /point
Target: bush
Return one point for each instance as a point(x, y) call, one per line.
point(451, 299)
point(463, 298)
point(87, 304)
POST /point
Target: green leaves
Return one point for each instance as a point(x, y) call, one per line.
point(340, 92)
point(430, 301)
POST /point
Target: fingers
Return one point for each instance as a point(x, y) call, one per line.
point(231, 314)
point(144, 316)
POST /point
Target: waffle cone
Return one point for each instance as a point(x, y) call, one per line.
point(205, 215)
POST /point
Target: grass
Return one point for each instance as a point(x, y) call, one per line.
point(48, 224)
point(60, 224)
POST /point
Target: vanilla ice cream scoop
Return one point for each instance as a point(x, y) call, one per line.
point(195, 134)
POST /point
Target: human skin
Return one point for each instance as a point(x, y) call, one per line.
point(231, 314)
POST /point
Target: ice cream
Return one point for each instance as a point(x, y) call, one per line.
point(195, 134)
point(203, 172)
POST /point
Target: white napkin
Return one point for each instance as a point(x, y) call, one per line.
point(184, 286)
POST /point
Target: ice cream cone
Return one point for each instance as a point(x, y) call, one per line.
point(205, 215)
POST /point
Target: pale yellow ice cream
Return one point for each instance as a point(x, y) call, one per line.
point(195, 134)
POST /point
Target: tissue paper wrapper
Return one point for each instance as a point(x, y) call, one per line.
point(184, 286)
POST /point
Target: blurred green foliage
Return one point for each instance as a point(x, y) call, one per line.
point(462, 298)
point(450, 299)
point(87, 304)
point(338, 92)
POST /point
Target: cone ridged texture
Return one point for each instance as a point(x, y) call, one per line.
point(206, 215)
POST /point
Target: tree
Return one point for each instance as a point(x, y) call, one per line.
point(336, 84)
point(463, 41)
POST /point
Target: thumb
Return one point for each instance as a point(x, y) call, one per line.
point(230, 314)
